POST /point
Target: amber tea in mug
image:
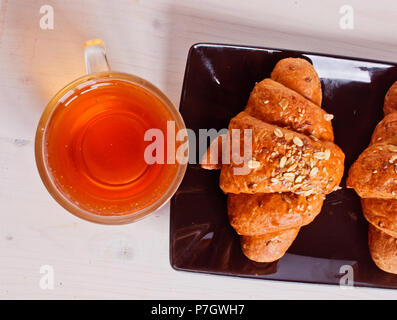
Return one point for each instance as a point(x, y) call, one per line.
point(92, 145)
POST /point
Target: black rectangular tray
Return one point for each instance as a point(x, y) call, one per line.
point(217, 84)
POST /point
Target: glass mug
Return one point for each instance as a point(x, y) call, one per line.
point(90, 144)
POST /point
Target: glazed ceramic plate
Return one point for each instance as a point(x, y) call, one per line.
point(218, 81)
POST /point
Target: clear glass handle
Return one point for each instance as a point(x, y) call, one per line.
point(95, 56)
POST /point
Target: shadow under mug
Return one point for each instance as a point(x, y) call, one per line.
point(98, 69)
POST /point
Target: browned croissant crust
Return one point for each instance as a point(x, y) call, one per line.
point(294, 162)
point(386, 130)
point(250, 214)
point(382, 248)
point(374, 177)
point(373, 174)
point(268, 247)
point(285, 161)
point(273, 103)
point(300, 76)
point(390, 104)
point(382, 214)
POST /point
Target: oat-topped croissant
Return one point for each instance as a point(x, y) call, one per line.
point(294, 161)
point(374, 177)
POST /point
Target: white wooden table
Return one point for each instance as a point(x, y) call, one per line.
point(149, 38)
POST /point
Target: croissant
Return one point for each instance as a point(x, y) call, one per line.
point(374, 177)
point(294, 161)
